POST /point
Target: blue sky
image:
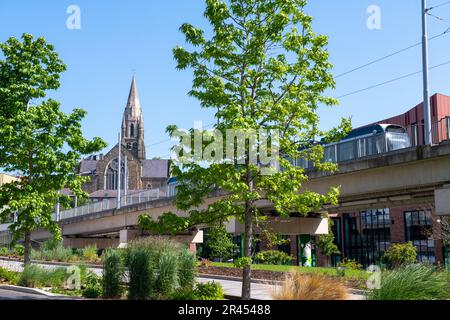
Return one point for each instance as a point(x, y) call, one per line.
point(117, 36)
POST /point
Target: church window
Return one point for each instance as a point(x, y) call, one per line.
point(132, 130)
point(135, 146)
point(112, 174)
point(129, 145)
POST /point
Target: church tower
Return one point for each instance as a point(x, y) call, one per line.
point(133, 124)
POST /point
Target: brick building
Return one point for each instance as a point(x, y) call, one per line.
point(365, 235)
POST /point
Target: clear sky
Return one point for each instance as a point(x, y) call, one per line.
point(117, 36)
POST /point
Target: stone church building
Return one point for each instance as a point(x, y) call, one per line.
point(142, 174)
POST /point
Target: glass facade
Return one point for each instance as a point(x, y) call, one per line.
point(419, 232)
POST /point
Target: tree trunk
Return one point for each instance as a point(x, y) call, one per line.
point(248, 235)
point(27, 250)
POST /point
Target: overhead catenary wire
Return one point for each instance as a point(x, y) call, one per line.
point(439, 5)
point(390, 55)
point(390, 81)
point(438, 18)
point(169, 140)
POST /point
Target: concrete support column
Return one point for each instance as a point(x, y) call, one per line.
point(127, 235)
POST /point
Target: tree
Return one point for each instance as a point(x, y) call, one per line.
point(264, 70)
point(326, 244)
point(39, 142)
point(219, 243)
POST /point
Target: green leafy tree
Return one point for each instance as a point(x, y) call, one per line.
point(325, 243)
point(261, 67)
point(39, 143)
point(219, 243)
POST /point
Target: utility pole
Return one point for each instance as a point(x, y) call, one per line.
point(119, 171)
point(426, 93)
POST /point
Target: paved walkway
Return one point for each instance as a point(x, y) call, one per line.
point(233, 288)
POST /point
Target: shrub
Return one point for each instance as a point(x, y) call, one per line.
point(19, 250)
point(93, 287)
point(4, 251)
point(242, 262)
point(310, 287)
point(349, 264)
point(218, 243)
point(167, 278)
point(208, 291)
point(412, 282)
point(89, 253)
point(141, 274)
point(182, 294)
point(52, 251)
point(34, 276)
point(400, 254)
point(8, 276)
point(273, 257)
point(187, 269)
point(112, 274)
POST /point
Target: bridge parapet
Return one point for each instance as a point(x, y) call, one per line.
point(108, 204)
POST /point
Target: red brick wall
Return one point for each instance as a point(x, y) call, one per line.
point(398, 230)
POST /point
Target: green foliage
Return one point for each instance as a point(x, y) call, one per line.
point(219, 243)
point(19, 250)
point(349, 264)
point(112, 274)
point(166, 281)
point(39, 142)
point(273, 257)
point(208, 291)
point(325, 242)
point(141, 274)
point(182, 294)
point(34, 276)
point(8, 276)
point(4, 251)
point(262, 68)
point(52, 251)
point(187, 269)
point(93, 286)
point(242, 262)
point(90, 253)
point(400, 254)
point(413, 282)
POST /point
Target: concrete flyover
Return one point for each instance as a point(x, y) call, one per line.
point(401, 177)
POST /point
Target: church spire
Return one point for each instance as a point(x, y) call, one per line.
point(133, 124)
point(133, 104)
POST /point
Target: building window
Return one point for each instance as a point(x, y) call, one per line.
point(129, 146)
point(367, 235)
point(419, 232)
point(135, 146)
point(132, 130)
point(112, 174)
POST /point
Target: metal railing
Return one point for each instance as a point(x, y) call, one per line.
point(440, 131)
point(108, 204)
